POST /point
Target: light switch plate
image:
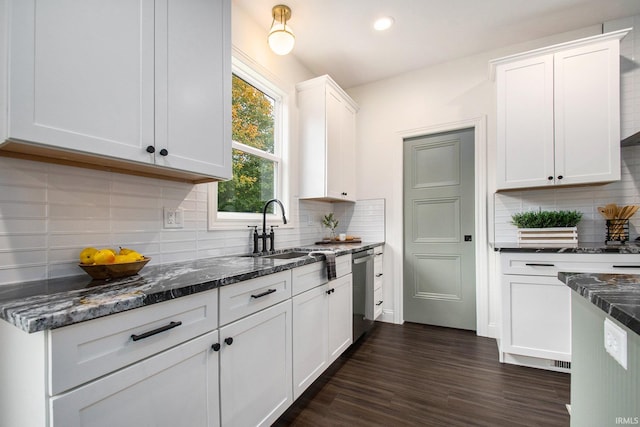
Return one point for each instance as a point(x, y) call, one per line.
point(173, 218)
point(615, 342)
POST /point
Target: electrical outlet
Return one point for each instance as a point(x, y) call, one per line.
point(615, 342)
point(173, 218)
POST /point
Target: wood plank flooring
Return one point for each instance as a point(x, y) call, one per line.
point(419, 375)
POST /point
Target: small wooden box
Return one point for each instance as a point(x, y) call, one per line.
point(554, 237)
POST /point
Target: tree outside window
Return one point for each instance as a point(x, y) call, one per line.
point(255, 152)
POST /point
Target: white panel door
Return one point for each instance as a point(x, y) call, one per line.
point(256, 384)
point(178, 387)
point(310, 337)
point(525, 129)
point(587, 114)
point(81, 75)
point(340, 315)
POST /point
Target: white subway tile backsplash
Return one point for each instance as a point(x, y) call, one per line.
point(49, 212)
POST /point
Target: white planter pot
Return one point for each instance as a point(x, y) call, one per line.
point(554, 237)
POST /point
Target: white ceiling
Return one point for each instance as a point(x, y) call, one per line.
point(335, 37)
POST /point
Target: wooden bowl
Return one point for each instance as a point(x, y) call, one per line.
point(113, 271)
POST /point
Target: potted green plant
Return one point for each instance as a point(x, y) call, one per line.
point(331, 223)
point(547, 228)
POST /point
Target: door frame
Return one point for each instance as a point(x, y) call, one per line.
point(479, 126)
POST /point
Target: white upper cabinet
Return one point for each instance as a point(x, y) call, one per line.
point(144, 84)
point(558, 114)
point(327, 141)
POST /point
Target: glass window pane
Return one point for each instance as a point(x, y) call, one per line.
point(252, 116)
point(253, 183)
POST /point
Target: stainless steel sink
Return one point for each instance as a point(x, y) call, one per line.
point(287, 255)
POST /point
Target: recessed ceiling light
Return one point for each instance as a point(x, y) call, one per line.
point(383, 23)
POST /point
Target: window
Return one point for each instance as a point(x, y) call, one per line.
point(257, 147)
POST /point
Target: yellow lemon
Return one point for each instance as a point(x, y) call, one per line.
point(125, 251)
point(104, 256)
point(86, 255)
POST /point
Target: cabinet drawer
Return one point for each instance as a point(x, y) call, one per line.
point(244, 298)
point(343, 265)
point(377, 303)
point(88, 350)
point(308, 277)
point(533, 264)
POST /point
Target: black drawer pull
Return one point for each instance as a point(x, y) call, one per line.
point(264, 294)
point(155, 331)
point(216, 347)
point(539, 265)
point(378, 254)
point(228, 341)
point(379, 302)
point(626, 266)
point(379, 275)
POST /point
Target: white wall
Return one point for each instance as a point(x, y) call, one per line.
point(455, 91)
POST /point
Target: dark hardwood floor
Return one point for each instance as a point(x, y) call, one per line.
point(419, 375)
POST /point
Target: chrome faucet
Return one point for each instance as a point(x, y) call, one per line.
point(271, 236)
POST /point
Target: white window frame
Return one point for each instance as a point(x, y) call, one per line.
point(240, 220)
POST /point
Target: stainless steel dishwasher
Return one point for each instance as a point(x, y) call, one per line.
point(362, 271)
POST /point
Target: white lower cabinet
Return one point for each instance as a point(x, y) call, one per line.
point(255, 367)
point(178, 387)
point(322, 329)
point(536, 306)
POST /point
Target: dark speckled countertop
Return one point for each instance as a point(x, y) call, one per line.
point(618, 295)
point(54, 303)
point(583, 248)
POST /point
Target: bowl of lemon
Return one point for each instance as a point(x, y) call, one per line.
point(107, 263)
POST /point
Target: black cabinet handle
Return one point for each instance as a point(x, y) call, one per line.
point(539, 265)
point(330, 291)
point(155, 331)
point(378, 254)
point(550, 178)
point(151, 149)
point(379, 275)
point(164, 152)
point(560, 177)
point(265, 293)
point(626, 266)
point(379, 302)
point(228, 341)
point(216, 347)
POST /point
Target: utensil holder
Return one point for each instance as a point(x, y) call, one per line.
point(617, 231)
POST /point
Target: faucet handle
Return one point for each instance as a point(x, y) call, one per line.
point(255, 227)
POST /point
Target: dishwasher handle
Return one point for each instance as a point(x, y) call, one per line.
point(363, 259)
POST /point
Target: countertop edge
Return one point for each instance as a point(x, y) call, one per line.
point(598, 289)
point(51, 311)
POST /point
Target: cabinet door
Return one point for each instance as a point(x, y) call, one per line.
point(193, 86)
point(536, 317)
point(310, 337)
point(525, 123)
point(587, 114)
point(178, 387)
point(334, 170)
point(340, 316)
point(256, 367)
point(348, 152)
point(81, 75)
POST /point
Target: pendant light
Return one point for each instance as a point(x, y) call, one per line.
point(281, 38)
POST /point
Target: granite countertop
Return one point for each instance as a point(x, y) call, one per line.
point(54, 303)
point(583, 248)
point(618, 295)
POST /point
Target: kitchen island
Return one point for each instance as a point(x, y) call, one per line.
point(603, 392)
